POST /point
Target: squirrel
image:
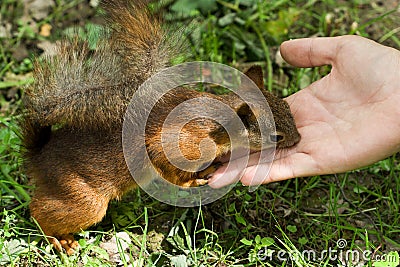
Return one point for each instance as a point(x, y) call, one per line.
point(74, 111)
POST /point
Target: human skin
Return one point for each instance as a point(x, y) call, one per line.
point(347, 120)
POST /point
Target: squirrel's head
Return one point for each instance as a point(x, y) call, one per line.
point(188, 138)
point(285, 134)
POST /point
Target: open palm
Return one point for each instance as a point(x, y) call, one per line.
point(348, 119)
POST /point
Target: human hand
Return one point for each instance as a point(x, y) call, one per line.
point(348, 119)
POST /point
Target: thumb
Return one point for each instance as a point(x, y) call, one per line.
point(282, 169)
point(310, 52)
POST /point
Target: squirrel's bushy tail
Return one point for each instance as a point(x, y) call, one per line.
point(78, 87)
point(89, 89)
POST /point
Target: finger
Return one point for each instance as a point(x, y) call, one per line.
point(310, 52)
point(296, 165)
point(225, 176)
point(256, 175)
point(230, 172)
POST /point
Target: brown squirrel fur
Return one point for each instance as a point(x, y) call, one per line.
point(74, 113)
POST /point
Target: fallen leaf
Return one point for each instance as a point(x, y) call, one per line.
point(49, 48)
point(113, 247)
point(40, 9)
point(5, 30)
point(45, 30)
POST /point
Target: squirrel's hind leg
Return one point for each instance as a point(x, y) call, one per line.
point(63, 209)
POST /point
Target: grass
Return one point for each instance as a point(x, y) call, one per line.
point(291, 223)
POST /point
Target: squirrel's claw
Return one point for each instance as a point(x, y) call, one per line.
point(203, 176)
point(208, 172)
point(66, 242)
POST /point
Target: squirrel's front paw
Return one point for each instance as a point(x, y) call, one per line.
point(189, 179)
point(207, 173)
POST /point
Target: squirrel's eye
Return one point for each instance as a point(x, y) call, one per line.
point(276, 138)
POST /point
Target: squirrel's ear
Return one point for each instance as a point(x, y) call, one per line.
point(255, 73)
point(246, 115)
point(243, 110)
point(236, 103)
